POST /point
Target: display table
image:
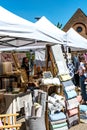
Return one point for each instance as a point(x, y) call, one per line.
point(14, 102)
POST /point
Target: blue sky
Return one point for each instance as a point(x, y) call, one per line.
point(54, 10)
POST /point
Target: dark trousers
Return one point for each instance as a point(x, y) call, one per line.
point(83, 87)
point(76, 80)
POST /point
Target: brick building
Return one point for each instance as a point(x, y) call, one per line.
point(78, 22)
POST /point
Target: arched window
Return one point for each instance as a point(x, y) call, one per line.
point(79, 29)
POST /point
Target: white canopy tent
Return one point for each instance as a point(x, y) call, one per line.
point(17, 32)
point(9, 18)
point(34, 46)
point(71, 38)
point(44, 26)
point(75, 41)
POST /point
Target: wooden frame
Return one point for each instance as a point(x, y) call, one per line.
point(50, 57)
point(16, 61)
point(6, 121)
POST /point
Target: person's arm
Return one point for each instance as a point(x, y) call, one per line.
point(83, 70)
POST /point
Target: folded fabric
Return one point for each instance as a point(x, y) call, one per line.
point(69, 88)
point(83, 113)
point(73, 120)
point(56, 81)
point(67, 83)
point(59, 99)
point(54, 101)
point(57, 116)
point(83, 108)
point(59, 125)
point(58, 121)
point(62, 128)
point(72, 103)
point(51, 100)
point(72, 111)
point(70, 94)
point(83, 117)
point(48, 81)
point(54, 108)
point(65, 77)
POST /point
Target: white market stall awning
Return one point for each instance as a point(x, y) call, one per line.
point(9, 18)
point(17, 32)
point(75, 41)
point(44, 26)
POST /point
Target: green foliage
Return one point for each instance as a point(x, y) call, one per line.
point(59, 25)
point(28, 55)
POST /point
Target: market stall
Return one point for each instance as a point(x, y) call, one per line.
point(55, 79)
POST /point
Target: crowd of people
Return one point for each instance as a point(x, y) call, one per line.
point(80, 75)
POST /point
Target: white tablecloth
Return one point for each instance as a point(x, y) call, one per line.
point(14, 102)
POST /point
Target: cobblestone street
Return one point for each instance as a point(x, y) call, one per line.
point(81, 126)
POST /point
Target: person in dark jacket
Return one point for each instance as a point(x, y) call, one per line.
point(25, 64)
